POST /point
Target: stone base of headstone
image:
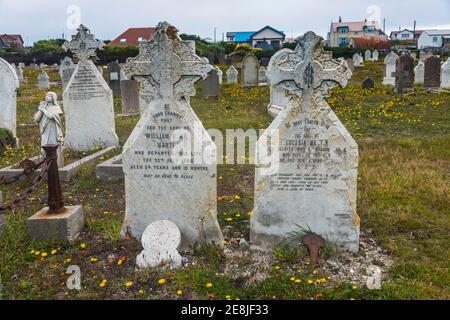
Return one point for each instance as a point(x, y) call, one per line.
point(65, 227)
point(274, 110)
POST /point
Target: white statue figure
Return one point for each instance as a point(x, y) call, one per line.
point(50, 124)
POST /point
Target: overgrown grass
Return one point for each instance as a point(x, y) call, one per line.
point(403, 201)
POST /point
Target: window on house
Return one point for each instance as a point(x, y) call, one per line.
point(342, 29)
point(123, 40)
point(435, 39)
point(140, 39)
point(343, 42)
point(369, 29)
point(275, 44)
point(405, 36)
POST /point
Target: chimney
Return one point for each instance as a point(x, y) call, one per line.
point(340, 19)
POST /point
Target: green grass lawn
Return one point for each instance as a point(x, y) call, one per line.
point(403, 202)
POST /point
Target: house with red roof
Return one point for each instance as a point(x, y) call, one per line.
point(133, 37)
point(405, 34)
point(11, 41)
point(342, 32)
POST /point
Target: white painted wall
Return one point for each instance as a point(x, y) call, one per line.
point(268, 35)
point(426, 41)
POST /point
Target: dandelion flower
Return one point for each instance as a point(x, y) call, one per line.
point(161, 281)
point(209, 285)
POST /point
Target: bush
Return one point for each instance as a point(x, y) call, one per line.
point(116, 53)
point(244, 48)
point(6, 139)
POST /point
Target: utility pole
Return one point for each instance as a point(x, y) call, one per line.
point(414, 34)
point(215, 33)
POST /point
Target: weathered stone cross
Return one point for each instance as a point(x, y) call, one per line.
point(83, 44)
point(308, 69)
point(167, 66)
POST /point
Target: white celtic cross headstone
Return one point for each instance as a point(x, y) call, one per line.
point(88, 101)
point(311, 178)
point(169, 160)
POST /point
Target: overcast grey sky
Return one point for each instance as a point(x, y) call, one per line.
point(42, 19)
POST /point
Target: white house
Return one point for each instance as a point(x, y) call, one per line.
point(267, 38)
point(405, 34)
point(434, 39)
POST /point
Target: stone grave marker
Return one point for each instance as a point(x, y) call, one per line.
point(368, 55)
point(350, 64)
point(220, 74)
point(232, 75)
point(356, 60)
point(432, 73)
point(160, 241)
point(262, 75)
point(211, 85)
point(309, 177)
point(88, 101)
point(19, 73)
point(129, 90)
point(368, 83)
point(445, 77)
point(66, 70)
point(114, 78)
point(390, 65)
point(9, 83)
point(419, 73)
point(250, 70)
point(165, 179)
point(404, 76)
point(375, 56)
point(43, 81)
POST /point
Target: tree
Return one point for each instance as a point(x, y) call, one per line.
point(48, 46)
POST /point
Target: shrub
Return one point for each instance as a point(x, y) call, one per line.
point(6, 139)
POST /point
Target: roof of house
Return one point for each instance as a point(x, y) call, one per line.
point(417, 33)
point(354, 26)
point(281, 33)
point(13, 37)
point(437, 32)
point(132, 36)
point(372, 43)
point(2, 44)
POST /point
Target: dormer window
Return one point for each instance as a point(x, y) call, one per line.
point(342, 29)
point(140, 39)
point(123, 40)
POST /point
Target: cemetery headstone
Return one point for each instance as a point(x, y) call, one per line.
point(404, 76)
point(22, 65)
point(390, 65)
point(114, 78)
point(88, 101)
point(445, 77)
point(66, 70)
point(9, 83)
point(129, 90)
point(43, 81)
point(220, 74)
point(100, 70)
point(419, 72)
point(432, 77)
point(368, 55)
point(160, 241)
point(250, 70)
point(19, 73)
point(158, 161)
point(368, 84)
point(49, 118)
point(211, 85)
point(232, 75)
point(350, 64)
point(309, 176)
point(356, 60)
point(262, 75)
point(375, 55)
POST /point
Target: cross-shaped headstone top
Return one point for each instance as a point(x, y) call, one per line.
point(83, 44)
point(166, 65)
point(307, 70)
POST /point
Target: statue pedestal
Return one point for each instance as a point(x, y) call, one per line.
point(64, 227)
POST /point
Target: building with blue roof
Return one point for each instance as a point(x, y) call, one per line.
point(266, 38)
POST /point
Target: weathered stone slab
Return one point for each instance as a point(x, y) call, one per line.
point(232, 75)
point(390, 66)
point(445, 78)
point(65, 227)
point(43, 81)
point(310, 177)
point(114, 78)
point(66, 71)
point(250, 71)
point(419, 72)
point(368, 83)
point(9, 83)
point(164, 178)
point(129, 90)
point(211, 85)
point(432, 73)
